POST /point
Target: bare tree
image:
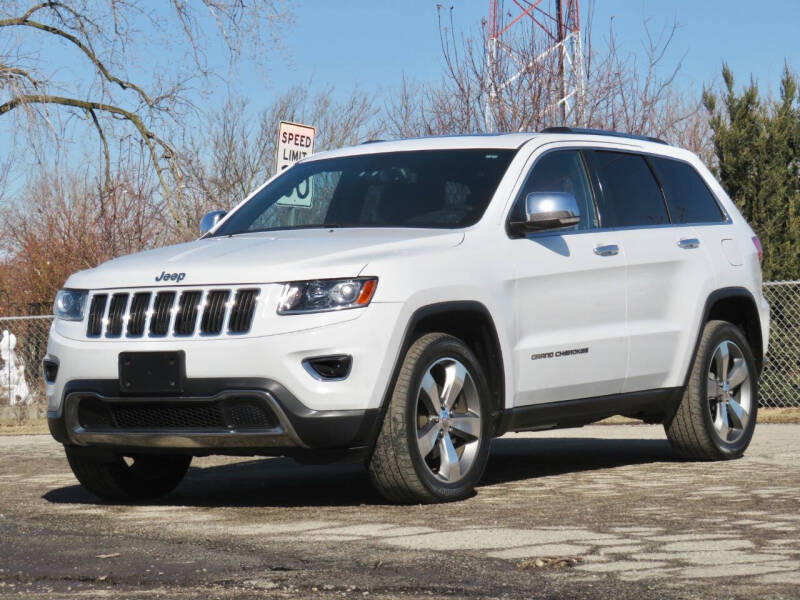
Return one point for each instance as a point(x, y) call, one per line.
point(237, 151)
point(105, 36)
point(633, 92)
point(63, 224)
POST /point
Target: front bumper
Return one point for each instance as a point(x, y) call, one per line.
point(212, 416)
point(370, 336)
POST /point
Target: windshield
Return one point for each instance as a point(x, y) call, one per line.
point(432, 188)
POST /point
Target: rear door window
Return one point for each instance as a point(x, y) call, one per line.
point(688, 197)
point(631, 196)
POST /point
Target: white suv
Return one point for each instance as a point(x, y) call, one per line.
point(402, 303)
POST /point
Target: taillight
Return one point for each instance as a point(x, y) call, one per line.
point(759, 249)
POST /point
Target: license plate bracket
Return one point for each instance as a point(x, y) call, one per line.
point(152, 373)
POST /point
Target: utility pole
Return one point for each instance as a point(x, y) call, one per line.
point(558, 21)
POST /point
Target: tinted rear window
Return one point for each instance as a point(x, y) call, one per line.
point(630, 195)
point(688, 197)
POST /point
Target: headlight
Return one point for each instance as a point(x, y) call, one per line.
point(70, 304)
point(322, 295)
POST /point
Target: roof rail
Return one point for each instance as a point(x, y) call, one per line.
point(371, 142)
point(620, 134)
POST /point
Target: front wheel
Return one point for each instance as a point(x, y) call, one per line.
point(121, 478)
point(717, 414)
point(434, 442)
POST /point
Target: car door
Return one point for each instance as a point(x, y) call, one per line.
point(568, 295)
point(667, 271)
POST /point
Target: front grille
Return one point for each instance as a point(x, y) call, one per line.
point(170, 312)
point(228, 414)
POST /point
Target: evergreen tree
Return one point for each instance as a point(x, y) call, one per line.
point(757, 143)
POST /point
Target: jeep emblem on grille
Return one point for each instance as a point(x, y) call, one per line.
point(176, 277)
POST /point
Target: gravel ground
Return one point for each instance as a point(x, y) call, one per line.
point(598, 512)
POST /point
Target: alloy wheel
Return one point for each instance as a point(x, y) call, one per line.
point(448, 423)
point(730, 395)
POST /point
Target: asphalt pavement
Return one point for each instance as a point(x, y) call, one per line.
point(605, 511)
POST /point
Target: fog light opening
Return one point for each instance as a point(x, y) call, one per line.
point(50, 368)
point(328, 368)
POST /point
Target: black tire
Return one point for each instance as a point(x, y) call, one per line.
point(691, 432)
point(397, 467)
point(110, 477)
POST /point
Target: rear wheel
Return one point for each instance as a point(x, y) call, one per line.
point(717, 414)
point(434, 441)
point(117, 477)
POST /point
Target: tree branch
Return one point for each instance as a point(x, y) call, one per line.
point(25, 22)
point(150, 139)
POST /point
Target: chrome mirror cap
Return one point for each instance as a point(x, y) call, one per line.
point(550, 210)
point(210, 220)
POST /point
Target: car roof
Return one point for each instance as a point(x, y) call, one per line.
point(500, 141)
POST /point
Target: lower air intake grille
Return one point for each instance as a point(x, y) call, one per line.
point(143, 416)
point(231, 414)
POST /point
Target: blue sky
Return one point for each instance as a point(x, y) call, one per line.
point(372, 42)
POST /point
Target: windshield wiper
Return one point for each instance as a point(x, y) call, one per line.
point(314, 226)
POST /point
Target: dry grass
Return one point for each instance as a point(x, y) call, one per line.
point(31, 426)
point(779, 415)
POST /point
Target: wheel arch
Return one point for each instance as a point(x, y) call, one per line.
point(471, 322)
point(738, 306)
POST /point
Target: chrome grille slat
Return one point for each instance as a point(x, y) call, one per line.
point(188, 309)
point(241, 316)
point(214, 313)
point(138, 313)
point(116, 312)
point(97, 312)
point(161, 313)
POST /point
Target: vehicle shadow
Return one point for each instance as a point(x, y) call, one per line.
point(282, 482)
point(534, 458)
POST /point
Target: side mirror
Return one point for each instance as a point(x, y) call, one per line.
point(549, 210)
point(210, 220)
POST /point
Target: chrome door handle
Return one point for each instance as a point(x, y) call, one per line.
point(608, 250)
point(688, 243)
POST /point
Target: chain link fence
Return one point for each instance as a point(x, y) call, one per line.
point(780, 381)
point(24, 343)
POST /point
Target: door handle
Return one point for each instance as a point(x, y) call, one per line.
point(688, 243)
point(607, 250)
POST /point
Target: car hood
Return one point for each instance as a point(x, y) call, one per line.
point(267, 257)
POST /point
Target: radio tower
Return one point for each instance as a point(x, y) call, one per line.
point(558, 21)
